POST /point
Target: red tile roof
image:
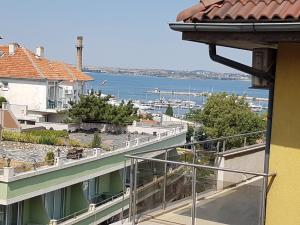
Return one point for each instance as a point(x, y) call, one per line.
point(242, 11)
point(24, 64)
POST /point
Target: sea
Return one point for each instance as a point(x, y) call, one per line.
point(137, 87)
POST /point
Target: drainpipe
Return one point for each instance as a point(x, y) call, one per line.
point(239, 66)
point(269, 75)
point(267, 152)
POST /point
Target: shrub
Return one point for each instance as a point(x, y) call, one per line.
point(2, 99)
point(105, 148)
point(47, 140)
point(54, 133)
point(96, 143)
point(49, 158)
point(74, 143)
point(18, 137)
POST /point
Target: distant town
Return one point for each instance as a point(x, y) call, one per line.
point(175, 74)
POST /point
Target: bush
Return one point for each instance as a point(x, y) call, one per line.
point(47, 140)
point(36, 137)
point(74, 143)
point(49, 158)
point(96, 143)
point(2, 99)
point(19, 137)
point(54, 133)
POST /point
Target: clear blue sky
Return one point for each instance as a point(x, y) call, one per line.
point(119, 33)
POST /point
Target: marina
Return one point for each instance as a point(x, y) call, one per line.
point(154, 94)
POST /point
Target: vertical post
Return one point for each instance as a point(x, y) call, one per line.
point(194, 154)
point(267, 153)
point(224, 145)
point(124, 191)
point(135, 193)
point(218, 146)
point(245, 141)
point(194, 173)
point(165, 181)
point(131, 189)
point(263, 200)
point(194, 187)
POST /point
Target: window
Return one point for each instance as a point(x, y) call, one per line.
point(5, 86)
point(55, 203)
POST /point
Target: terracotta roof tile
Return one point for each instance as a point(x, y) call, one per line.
point(24, 64)
point(242, 11)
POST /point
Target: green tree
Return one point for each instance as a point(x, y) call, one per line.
point(169, 110)
point(96, 143)
point(93, 108)
point(225, 115)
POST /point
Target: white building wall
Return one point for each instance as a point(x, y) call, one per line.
point(25, 92)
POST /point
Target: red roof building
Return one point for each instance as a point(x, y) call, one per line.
point(242, 10)
point(21, 63)
point(36, 87)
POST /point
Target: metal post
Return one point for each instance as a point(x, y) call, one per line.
point(267, 153)
point(245, 141)
point(218, 146)
point(224, 145)
point(194, 173)
point(131, 189)
point(124, 191)
point(135, 192)
point(165, 181)
point(194, 154)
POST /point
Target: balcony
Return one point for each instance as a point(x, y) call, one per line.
point(215, 183)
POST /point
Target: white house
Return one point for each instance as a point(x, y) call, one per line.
point(36, 88)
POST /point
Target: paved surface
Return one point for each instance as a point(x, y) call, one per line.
point(239, 206)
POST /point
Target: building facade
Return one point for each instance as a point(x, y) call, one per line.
point(37, 88)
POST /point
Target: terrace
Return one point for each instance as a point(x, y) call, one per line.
point(217, 184)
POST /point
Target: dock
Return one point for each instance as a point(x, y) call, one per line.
point(201, 94)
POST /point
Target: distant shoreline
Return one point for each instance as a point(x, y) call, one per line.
point(176, 77)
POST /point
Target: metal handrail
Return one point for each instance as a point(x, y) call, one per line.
point(201, 142)
point(136, 158)
point(201, 166)
point(80, 212)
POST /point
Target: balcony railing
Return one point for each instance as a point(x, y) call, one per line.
point(85, 155)
point(200, 191)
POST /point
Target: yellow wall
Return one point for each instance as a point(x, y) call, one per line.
point(283, 202)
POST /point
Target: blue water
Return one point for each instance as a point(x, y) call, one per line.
point(135, 87)
point(128, 87)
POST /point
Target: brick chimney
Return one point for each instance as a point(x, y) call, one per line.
point(79, 48)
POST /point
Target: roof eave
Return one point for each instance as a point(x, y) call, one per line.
point(247, 36)
point(237, 27)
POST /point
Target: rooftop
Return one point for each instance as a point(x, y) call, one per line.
point(242, 11)
point(24, 64)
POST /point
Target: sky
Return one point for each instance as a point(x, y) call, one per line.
point(117, 33)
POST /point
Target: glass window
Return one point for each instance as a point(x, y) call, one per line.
point(2, 214)
point(55, 203)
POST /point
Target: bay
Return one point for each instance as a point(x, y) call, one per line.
point(131, 87)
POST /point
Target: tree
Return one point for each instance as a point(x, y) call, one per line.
point(96, 143)
point(2, 99)
point(94, 108)
point(225, 115)
point(169, 110)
